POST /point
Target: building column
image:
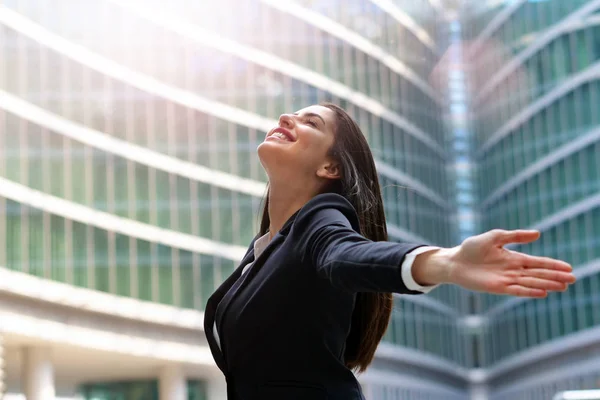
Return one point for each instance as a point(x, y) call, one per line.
point(479, 391)
point(38, 374)
point(172, 383)
point(217, 388)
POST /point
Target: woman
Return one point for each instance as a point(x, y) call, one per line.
point(311, 299)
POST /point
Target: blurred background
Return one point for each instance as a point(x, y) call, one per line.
point(130, 185)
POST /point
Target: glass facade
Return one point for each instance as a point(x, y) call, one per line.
point(419, 327)
point(138, 122)
point(91, 99)
point(548, 388)
point(535, 99)
point(135, 390)
point(410, 394)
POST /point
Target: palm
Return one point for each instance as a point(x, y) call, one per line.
point(481, 263)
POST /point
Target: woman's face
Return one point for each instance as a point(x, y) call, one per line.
point(297, 148)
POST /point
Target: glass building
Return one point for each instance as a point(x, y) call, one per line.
point(535, 101)
point(130, 185)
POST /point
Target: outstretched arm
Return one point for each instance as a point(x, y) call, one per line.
point(481, 263)
point(327, 235)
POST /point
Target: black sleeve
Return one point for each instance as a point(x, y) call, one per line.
point(327, 235)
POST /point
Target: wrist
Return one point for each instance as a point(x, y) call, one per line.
point(448, 258)
point(434, 267)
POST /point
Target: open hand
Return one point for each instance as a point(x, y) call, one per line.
point(481, 263)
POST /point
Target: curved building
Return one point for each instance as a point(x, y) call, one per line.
point(535, 68)
point(130, 185)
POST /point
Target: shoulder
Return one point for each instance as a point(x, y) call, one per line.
point(326, 209)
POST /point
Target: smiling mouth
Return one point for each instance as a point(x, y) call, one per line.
point(282, 134)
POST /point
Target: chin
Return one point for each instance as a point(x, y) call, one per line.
point(269, 149)
point(272, 155)
point(268, 154)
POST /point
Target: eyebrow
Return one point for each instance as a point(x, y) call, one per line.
point(309, 114)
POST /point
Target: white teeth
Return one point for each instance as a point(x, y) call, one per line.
point(281, 136)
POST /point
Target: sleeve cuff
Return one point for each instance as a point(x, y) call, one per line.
point(407, 264)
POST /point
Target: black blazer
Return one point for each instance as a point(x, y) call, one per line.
point(283, 324)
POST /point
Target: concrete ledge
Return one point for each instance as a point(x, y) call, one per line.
point(62, 294)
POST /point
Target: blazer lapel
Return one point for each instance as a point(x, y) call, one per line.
point(242, 281)
point(237, 287)
point(212, 305)
point(218, 303)
point(258, 263)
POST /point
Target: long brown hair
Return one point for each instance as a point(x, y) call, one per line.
point(359, 184)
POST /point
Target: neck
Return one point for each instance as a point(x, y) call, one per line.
point(283, 203)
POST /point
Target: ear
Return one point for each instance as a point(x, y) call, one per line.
point(330, 170)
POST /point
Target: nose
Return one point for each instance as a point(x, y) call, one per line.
point(286, 121)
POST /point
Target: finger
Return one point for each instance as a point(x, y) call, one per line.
point(521, 291)
point(550, 275)
point(516, 236)
point(545, 263)
point(544, 284)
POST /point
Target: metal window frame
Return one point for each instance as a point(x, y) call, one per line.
point(94, 61)
point(390, 379)
point(589, 74)
point(285, 67)
point(569, 23)
point(129, 151)
point(102, 220)
point(407, 21)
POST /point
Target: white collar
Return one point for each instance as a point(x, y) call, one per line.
point(261, 244)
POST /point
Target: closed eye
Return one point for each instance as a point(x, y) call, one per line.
point(312, 122)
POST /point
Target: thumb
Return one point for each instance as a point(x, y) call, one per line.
point(516, 236)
